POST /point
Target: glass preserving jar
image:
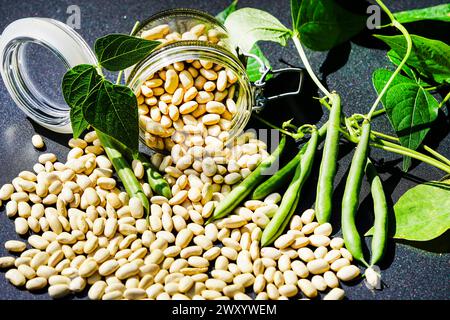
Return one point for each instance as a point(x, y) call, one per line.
point(213, 46)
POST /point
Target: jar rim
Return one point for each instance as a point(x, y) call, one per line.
point(62, 41)
point(179, 12)
point(187, 45)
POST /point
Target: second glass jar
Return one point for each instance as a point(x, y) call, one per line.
point(193, 85)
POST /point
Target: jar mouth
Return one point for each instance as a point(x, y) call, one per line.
point(181, 12)
point(64, 43)
point(193, 50)
point(17, 79)
point(194, 47)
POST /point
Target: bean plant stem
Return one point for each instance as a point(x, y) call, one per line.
point(288, 133)
point(437, 155)
point(440, 162)
point(405, 33)
point(447, 97)
point(434, 153)
point(392, 147)
point(308, 67)
point(126, 175)
point(398, 149)
point(385, 136)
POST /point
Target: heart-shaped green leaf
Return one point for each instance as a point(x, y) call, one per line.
point(76, 85)
point(119, 51)
point(410, 108)
point(396, 59)
point(429, 57)
point(439, 12)
point(422, 213)
point(323, 24)
point(223, 15)
point(247, 26)
point(252, 66)
point(112, 109)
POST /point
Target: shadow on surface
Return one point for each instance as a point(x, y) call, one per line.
point(336, 59)
point(440, 244)
point(303, 107)
point(59, 138)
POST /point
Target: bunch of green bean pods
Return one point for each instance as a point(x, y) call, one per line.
point(282, 176)
point(155, 179)
point(239, 193)
point(350, 200)
point(328, 165)
point(126, 175)
point(380, 207)
point(292, 195)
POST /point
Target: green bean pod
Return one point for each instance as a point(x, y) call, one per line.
point(282, 176)
point(155, 179)
point(292, 195)
point(328, 165)
point(125, 173)
point(350, 200)
point(239, 193)
point(380, 207)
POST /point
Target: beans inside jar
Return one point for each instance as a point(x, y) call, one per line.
point(187, 100)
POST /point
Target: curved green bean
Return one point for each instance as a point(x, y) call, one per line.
point(328, 164)
point(380, 208)
point(292, 195)
point(125, 173)
point(282, 176)
point(350, 200)
point(155, 179)
point(239, 193)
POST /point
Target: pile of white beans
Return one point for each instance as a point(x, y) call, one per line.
point(85, 235)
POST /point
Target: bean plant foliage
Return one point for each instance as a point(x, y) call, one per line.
point(323, 24)
point(252, 65)
point(409, 99)
point(97, 102)
point(410, 108)
point(116, 52)
point(423, 212)
point(438, 13)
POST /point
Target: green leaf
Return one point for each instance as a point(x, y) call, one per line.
point(396, 59)
point(253, 66)
point(323, 24)
point(76, 85)
point(248, 26)
point(422, 213)
point(222, 16)
point(409, 107)
point(439, 12)
point(112, 109)
point(429, 57)
point(119, 51)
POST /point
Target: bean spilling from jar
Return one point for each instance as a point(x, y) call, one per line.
point(188, 100)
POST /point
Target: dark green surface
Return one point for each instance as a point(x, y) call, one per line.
point(410, 273)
